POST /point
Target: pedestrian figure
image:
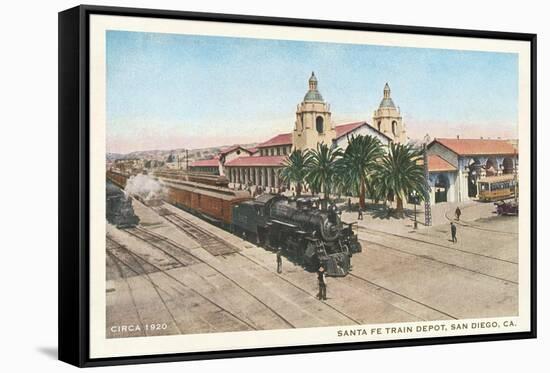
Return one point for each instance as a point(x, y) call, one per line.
point(458, 213)
point(360, 214)
point(321, 278)
point(349, 204)
point(279, 261)
point(453, 233)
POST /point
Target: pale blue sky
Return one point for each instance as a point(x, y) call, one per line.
point(166, 91)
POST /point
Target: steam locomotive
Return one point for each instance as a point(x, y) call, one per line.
point(119, 208)
point(313, 237)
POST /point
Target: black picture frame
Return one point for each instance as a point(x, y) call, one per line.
point(74, 189)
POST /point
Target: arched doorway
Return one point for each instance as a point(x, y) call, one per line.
point(473, 174)
point(508, 166)
point(491, 167)
point(441, 188)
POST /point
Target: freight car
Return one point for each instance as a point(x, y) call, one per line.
point(119, 210)
point(311, 236)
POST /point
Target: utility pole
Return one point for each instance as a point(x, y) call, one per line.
point(515, 178)
point(415, 201)
point(427, 206)
point(186, 160)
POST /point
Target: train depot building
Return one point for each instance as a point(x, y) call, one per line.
point(455, 166)
point(458, 166)
point(313, 125)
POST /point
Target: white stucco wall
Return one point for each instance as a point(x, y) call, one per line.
point(364, 130)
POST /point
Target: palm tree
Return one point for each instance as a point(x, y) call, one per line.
point(357, 164)
point(295, 169)
point(322, 167)
point(399, 173)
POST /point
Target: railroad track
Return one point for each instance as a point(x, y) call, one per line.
point(145, 273)
point(379, 232)
point(300, 288)
point(402, 296)
point(178, 256)
point(186, 224)
point(441, 262)
point(165, 272)
point(156, 240)
point(117, 263)
point(378, 286)
point(473, 226)
point(210, 242)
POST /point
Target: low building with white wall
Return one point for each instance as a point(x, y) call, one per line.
point(456, 165)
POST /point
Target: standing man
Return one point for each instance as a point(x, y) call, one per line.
point(360, 214)
point(453, 232)
point(321, 278)
point(458, 213)
point(349, 204)
point(279, 261)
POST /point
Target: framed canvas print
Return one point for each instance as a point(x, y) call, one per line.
point(237, 186)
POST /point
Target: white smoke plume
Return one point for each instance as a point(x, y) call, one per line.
point(146, 187)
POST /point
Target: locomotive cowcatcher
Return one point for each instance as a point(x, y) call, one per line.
point(309, 235)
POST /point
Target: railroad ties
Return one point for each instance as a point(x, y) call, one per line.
point(209, 241)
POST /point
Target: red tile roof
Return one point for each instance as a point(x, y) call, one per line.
point(341, 130)
point(344, 129)
point(477, 146)
point(253, 150)
point(214, 162)
point(282, 139)
point(274, 160)
point(436, 163)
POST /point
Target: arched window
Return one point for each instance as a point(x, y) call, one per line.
point(319, 124)
point(394, 127)
point(379, 126)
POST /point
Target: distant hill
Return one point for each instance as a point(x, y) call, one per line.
point(160, 155)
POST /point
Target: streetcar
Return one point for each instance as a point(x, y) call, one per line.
point(497, 188)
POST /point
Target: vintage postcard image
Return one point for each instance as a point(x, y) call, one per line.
point(268, 192)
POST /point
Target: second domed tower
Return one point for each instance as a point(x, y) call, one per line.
point(388, 120)
point(313, 120)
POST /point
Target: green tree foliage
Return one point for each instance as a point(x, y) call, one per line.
point(357, 166)
point(321, 169)
point(295, 169)
point(399, 173)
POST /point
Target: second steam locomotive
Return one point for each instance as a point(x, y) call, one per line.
point(311, 236)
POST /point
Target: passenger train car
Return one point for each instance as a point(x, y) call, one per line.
point(210, 202)
point(206, 196)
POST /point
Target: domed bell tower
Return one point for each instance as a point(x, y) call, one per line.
point(313, 120)
point(388, 120)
